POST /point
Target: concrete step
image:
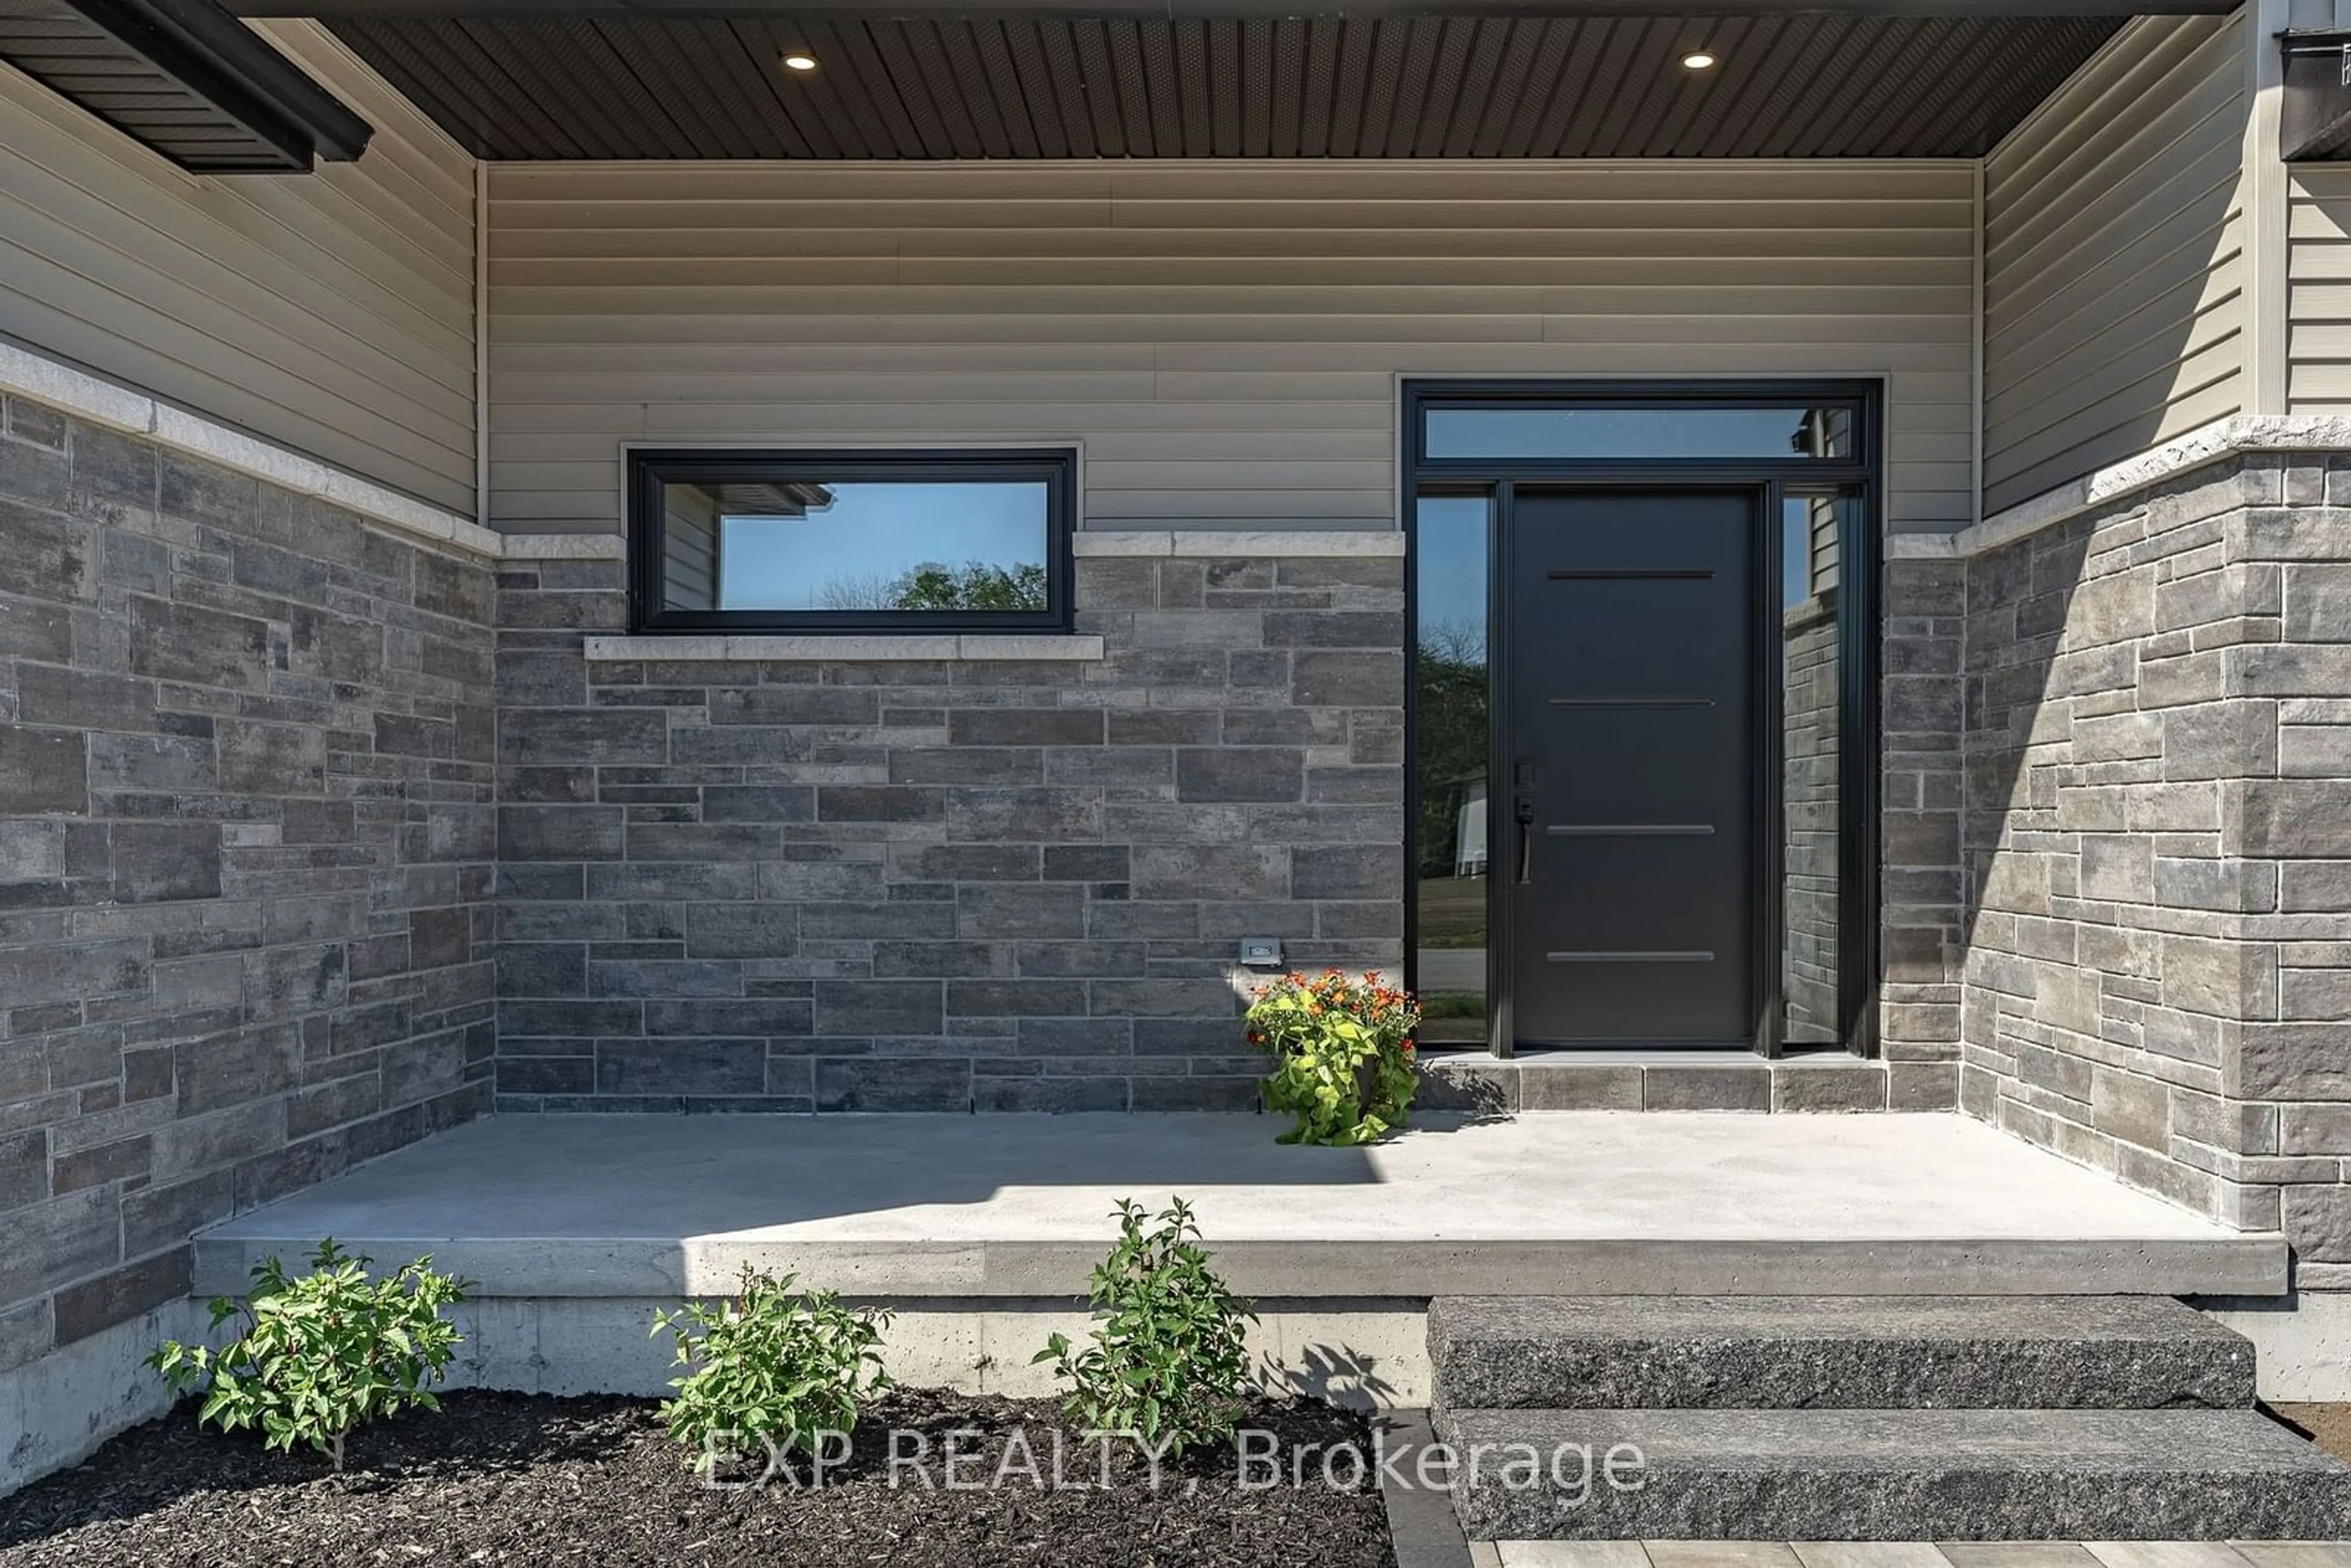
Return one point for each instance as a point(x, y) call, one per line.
point(1662, 1352)
point(1892, 1475)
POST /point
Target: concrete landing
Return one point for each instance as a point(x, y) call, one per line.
point(1018, 1207)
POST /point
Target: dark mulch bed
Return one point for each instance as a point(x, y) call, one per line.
point(516, 1479)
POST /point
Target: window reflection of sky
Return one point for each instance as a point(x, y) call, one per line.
point(1615, 432)
point(873, 532)
point(1451, 564)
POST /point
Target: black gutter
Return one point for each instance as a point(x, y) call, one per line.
point(229, 66)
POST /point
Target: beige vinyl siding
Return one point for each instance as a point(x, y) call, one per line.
point(1224, 340)
point(2114, 259)
point(2318, 263)
point(330, 312)
point(2318, 343)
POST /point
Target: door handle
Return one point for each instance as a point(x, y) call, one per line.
point(1525, 815)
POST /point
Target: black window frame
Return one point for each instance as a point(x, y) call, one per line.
point(652, 469)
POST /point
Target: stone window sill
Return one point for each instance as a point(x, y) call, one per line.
point(946, 648)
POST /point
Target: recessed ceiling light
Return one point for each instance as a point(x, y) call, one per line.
point(1698, 60)
point(800, 62)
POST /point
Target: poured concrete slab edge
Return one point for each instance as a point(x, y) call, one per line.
point(1407, 1270)
point(58, 1409)
point(1362, 1355)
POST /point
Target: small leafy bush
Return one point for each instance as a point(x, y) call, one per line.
point(1341, 1053)
point(321, 1353)
point(772, 1366)
point(1167, 1362)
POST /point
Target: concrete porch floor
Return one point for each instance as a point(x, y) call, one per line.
point(1018, 1207)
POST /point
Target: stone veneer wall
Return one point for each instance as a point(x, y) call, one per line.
point(870, 884)
point(1921, 916)
point(2158, 842)
point(245, 828)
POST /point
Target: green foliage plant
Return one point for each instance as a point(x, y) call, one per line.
point(1343, 1055)
point(771, 1367)
point(323, 1353)
point(1167, 1361)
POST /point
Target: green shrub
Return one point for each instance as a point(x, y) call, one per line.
point(1167, 1363)
point(771, 1367)
point(322, 1354)
point(1341, 1055)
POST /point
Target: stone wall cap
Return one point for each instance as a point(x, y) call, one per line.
point(36, 378)
point(565, 547)
point(2235, 436)
point(944, 648)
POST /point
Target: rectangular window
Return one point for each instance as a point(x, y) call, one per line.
point(1452, 559)
point(1633, 433)
point(815, 541)
point(1812, 528)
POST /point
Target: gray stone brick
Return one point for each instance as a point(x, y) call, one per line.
point(796, 705)
point(561, 834)
point(1740, 1088)
point(769, 1017)
point(742, 930)
point(24, 1169)
point(1044, 910)
point(877, 1083)
point(42, 772)
point(681, 1067)
point(270, 759)
point(1025, 727)
point(1347, 680)
point(193, 644)
point(879, 1007)
point(50, 1244)
point(121, 1294)
point(605, 735)
point(156, 862)
point(1241, 774)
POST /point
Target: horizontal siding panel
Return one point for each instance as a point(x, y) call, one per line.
point(2133, 348)
point(2123, 386)
point(331, 313)
point(1226, 340)
point(2115, 310)
point(1811, 213)
point(1111, 274)
point(306, 400)
point(2318, 343)
point(1665, 242)
point(2188, 411)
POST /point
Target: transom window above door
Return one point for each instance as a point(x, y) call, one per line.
point(851, 541)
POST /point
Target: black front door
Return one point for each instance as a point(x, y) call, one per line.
point(1629, 801)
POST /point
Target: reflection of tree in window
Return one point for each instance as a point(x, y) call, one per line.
point(1451, 740)
point(935, 585)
